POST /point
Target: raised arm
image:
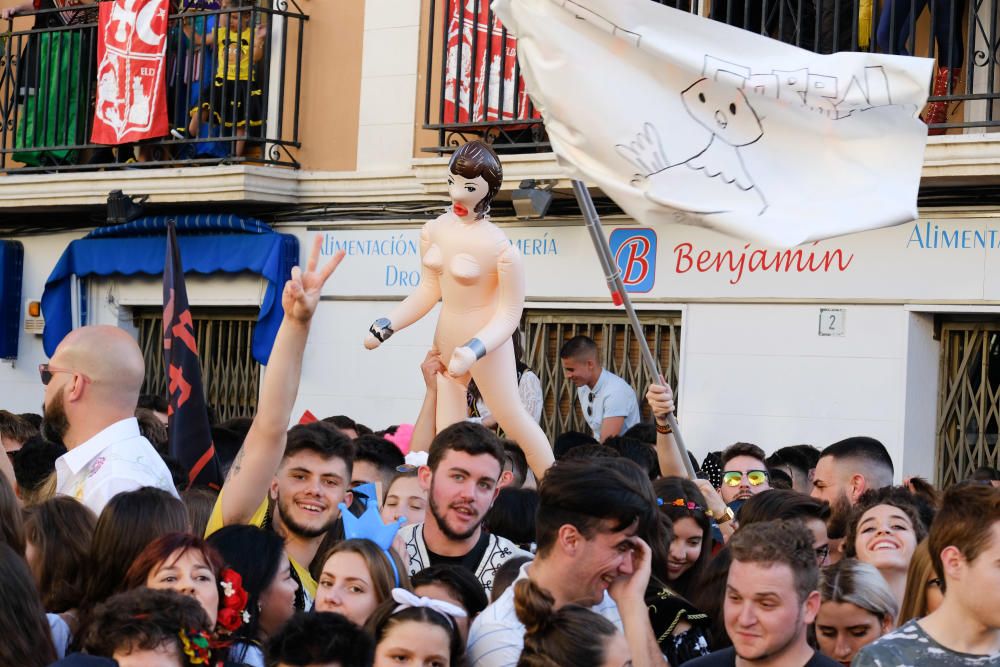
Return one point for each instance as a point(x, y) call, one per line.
point(415, 306)
point(661, 402)
point(255, 464)
point(425, 428)
point(510, 304)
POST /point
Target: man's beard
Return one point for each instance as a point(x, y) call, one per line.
point(55, 424)
point(446, 530)
point(296, 528)
point(840, 514)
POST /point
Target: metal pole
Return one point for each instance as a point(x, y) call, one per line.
point(620, 298)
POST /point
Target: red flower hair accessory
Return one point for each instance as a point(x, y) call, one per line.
point(233, 611)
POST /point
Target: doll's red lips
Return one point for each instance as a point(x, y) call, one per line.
point(460, 210)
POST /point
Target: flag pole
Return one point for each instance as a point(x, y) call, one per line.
point(620, 298)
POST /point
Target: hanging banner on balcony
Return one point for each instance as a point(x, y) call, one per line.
point(682, 119)
point(482, 80)
point(131, 82)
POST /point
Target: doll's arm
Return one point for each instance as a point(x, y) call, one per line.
point(510, 304)
point(413, 307)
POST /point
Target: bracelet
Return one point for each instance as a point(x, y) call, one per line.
point(477, 347)
point(381, 329)
point(663, 429)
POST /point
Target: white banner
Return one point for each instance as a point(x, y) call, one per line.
point(682, 119)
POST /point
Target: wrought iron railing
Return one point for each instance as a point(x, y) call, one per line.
point(484, 96)
point(232, 86)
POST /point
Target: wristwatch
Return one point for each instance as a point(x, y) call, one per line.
point(726, 517)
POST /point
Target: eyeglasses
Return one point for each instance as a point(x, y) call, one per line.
point(735, 477)
point(45, 372)
point(590, 404)
point(822, 553)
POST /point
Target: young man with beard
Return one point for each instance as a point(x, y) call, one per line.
point(845, 470)
point(589, 554)
point(92, 385)
point(293, 488)
point(771, 599)
point(964, 631)
point(744, 473)
point(462, 480)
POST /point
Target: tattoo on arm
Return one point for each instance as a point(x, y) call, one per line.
point(237, 464)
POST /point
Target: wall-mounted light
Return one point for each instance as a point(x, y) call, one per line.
point(532, 199)
point(124, 208)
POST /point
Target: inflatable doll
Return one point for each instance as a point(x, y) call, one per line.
point(468, 264)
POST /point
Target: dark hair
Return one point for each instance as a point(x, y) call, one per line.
point(570, 635)
point(321, 638)
point(657, 533)
point(35, 462)
point(779, 479)
point(638, 452)
point(782, 504)
point(385, 616)
point(27, 640)
point(200, 502)
point(708, 595)
point(793, 457)
point(257, 555)
point(473, 439)
point(985, 474)
point(741, 449)
point(153, 402)
point(11, 521)
point(344, 422)
point(643, 432)
point(896, 496)
point(578, 346)
point(670, 490)
point(228, 443)
point(786, 542)
point(160, 549)
point(128, 523)
point(869, 454)
point(809, 452)
point(32, 418)
point(462, 584)
point(61, 530)
point(321, 438)
point(475, 159)
point(144, 619)
point(15, 427)
point(379, 451)
point(594, 451)
point(506, 574)
point(513, 516)
point(518, 462)
point(586, 493)
point(151, 428)
point(964, 521)
point(564, 442)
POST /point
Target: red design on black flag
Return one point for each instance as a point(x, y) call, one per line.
point(190, 434)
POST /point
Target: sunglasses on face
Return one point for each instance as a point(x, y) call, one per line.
point(46, 372)
point(735, 477)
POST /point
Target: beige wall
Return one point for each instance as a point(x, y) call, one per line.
point(331, 84)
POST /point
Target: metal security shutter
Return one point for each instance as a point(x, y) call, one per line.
point(547, 330)
point(229, 371)
point(968, 395)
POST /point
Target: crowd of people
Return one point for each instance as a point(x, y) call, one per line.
point(332, 545)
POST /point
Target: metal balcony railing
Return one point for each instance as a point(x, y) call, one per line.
point(232, 88)
point(484, 96)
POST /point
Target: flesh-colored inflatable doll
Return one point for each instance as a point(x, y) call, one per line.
point(468, 264)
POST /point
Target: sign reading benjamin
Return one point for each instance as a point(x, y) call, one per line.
point(634, 251)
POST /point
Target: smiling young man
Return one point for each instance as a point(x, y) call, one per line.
point(771, 599)
point(964, 631)
point(290, 481)
point(461, 478)
point(589, 516)
point(608, 403)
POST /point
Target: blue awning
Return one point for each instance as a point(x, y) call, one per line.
point(209, 244)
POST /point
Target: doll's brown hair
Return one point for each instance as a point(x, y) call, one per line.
point(476, 159)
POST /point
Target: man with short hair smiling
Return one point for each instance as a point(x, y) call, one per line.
point(744, 473)
point(964, 631)
point(771, 599)
point(608, 403)
point(462, 480)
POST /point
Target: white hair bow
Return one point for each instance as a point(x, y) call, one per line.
point(406, 599)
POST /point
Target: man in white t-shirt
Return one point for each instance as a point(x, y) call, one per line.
point(608, 403)
point(92, 385)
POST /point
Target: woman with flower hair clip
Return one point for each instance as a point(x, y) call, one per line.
point(188, 565)
point(416, 630)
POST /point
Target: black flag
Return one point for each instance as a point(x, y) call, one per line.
point(188, 427)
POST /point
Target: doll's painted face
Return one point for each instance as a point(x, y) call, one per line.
point(465, 194)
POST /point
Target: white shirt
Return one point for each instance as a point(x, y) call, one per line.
point(613, 397)
point(497, 635)
point(116, 460)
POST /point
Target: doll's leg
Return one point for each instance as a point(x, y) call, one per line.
point(497, 381)
point(452, 405)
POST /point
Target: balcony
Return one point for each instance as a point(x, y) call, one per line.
point(484, 96)
point(239, 110)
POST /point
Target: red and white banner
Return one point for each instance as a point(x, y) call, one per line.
point(484, 74)
point(131, 72)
